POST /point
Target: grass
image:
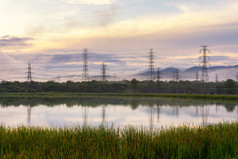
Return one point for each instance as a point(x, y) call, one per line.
point(73, 95)
point(213, 141)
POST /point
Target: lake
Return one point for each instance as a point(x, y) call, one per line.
point(150, 113)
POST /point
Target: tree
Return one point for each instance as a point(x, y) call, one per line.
point(134, 85)
point(230, 86)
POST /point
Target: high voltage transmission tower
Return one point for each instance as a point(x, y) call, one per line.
point(85, 76)
point(204, 75)
point(29, 79)
point(151, 71)
point(176, 75)
point(158, 79)
point(104, 72)
point(216, 78)
point(236, 76)
point(58, 78)
point(158, 75)
point(197, 76)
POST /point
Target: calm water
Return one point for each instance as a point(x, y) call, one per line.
point(119, 112)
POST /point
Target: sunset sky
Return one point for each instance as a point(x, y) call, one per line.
point(51, 35)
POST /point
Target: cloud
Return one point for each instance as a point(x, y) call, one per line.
point(70, 60)
point(5, 1)
point(175, 36)
point(6, 41)
point(181, 7)
point(174, 33)
point(68, 64)
point(163, 26)
point(89, 2)
point(220, 58)
point(106, 16)
point(36, 31)
point(12, 68)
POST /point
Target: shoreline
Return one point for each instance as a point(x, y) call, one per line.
point(75, 95)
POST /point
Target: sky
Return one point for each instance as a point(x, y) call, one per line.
point(51, 35)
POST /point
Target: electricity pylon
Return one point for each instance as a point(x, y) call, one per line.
point(158, 75)
point(236, 76)
point(29, 79)
point(176, 75)
point(85, 76)
point(104, 76)
point(197, 76)
point(204, 57)
point(216, 78)
point(151, 71)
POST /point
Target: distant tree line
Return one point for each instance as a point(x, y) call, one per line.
point(134, 103)
point(134, 86)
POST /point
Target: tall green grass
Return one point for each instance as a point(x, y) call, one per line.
point(214, 141)
point(74, 95)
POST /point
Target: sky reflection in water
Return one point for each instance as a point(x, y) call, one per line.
point(119, 112)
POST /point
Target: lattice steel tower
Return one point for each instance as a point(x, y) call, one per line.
point(204, 57)
point(176, 75)
point(158, 75)
point(216, 78)
point(197, 76)
point(151, 71)
point(85, 75)
point(104, 72)
point(29, 73)
point(236, 76)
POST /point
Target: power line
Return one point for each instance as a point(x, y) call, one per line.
point(12, 69)
point(204, 75)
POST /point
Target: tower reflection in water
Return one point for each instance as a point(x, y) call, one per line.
point(104, 115)
point(204, 114)
point(85, 115)
point(29, 115)
point(151, 117)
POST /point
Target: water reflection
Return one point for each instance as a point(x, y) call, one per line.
point(114, 111)
point(217, 108)
point(103, 114)
point(196, 111)
point(158, 112)
point(176, 110)
point(85, 116)
point(29, 115)
point(204, 114)
point(151, 117)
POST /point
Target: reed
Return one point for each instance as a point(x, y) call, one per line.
point(213, 141)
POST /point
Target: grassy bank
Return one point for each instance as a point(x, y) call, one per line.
point(217, 141)
point(73, 95)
